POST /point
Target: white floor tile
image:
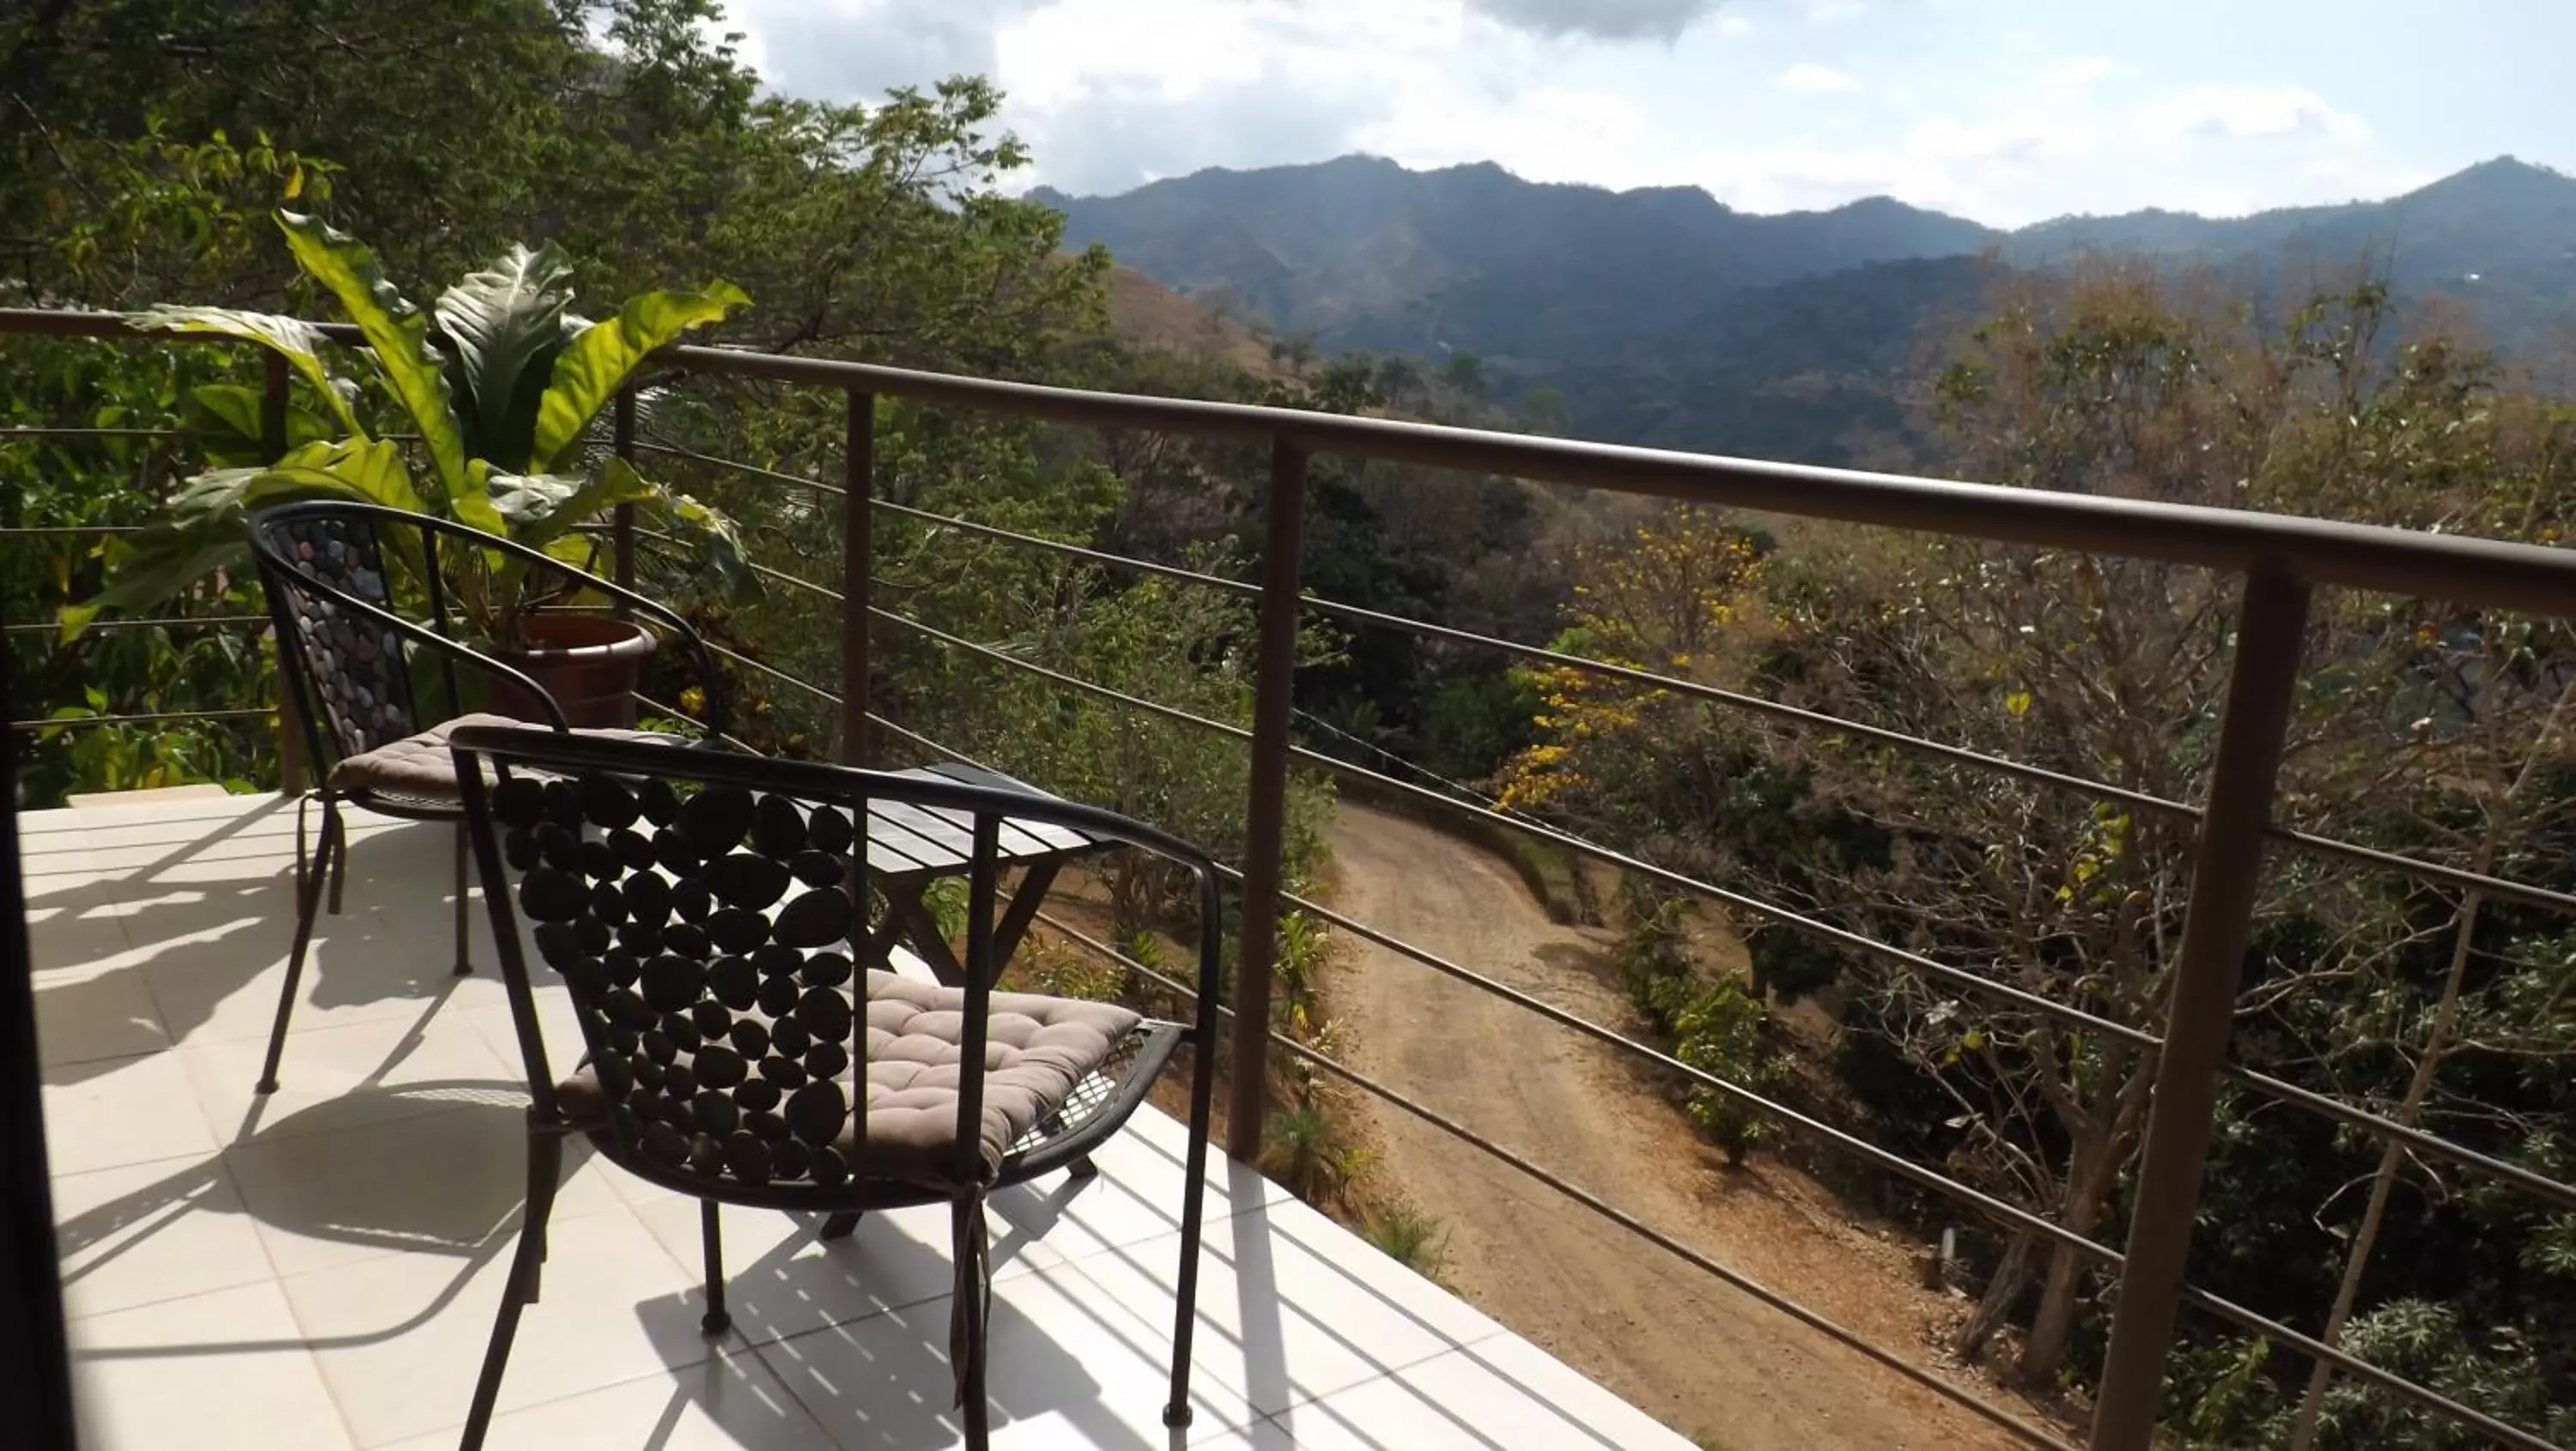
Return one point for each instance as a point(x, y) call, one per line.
point(384, 1185)
point(73, 919)
point(103, 1114)
point(215, 964)
point(344, 1075)
point(400, 1338)
point(1502, 1394)
point(1291, 1306)
point(728, 1402)
point(87, 1013)
point(440, 1186)
point(781, 1280)
point(1065, 1372)
point(1259, 1436)
point(218, 1372)
point(152, 1232)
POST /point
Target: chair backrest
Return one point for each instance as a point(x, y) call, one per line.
point(352, 674)
point(707, 913)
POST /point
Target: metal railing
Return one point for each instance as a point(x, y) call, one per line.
point(2281, 559)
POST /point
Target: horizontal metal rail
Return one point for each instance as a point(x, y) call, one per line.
point(39, 430)
point(2504, 1171)
point(2363, 556)
point(2246, 1319)
point(199, 622)
point(2228, 1310)
point(2433, 872)
point(1074, 682)
point(1849, 1339)
point(1998, 1209)
point(77, 722)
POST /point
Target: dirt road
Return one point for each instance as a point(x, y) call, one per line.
point(1698, 1355)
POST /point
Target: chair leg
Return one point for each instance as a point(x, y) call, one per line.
point(464, 928)
point(710, 1220)
point(974, 1304)
point(839, 1226)
point(338, 830)
point(545, 1172)
point(1082, 1168)
point(308, 893)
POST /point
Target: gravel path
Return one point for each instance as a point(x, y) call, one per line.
point(1700, 1356)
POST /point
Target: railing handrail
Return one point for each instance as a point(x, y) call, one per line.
point(2486, 572)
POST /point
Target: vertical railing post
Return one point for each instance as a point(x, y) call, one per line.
point(272, 441)
point(2226, 872)
point(858, 547)
point(621, 529)
point(1266, 813)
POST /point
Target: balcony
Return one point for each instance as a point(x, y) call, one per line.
point(157, 922)
point(318, 1269)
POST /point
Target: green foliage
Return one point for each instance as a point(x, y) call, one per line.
point(1410, 1237)
point(1308, 1148)
point(2492, 1368)
point(1722, 1032)
point(490, 413)
point(1714, 1025)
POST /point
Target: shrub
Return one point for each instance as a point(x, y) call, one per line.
point(1724, 1032)
point(1410, 1237)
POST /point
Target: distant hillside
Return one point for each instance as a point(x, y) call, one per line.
point(1364, 253)
point(1145, 313)
point(2499, 238)
point(1667, 317)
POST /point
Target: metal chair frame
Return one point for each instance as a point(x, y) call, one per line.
point(288, 583)
point(487, 759)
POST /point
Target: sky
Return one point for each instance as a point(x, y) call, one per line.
point(2004, 111)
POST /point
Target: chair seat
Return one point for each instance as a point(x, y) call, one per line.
point(417, 770)
point(1037, 1049)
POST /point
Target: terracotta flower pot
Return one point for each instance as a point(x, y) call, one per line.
point(590, 664)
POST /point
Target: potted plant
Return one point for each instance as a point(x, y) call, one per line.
point(501, 404)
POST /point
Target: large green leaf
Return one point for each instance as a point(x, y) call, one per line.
point(293, 339)
point(474, 508)
point(202, 531)
point(544, 509)
point(589, 372)
point(541, 506)
point(504, 325)
point(721, 542)
point(225, 417)
point(397, 332)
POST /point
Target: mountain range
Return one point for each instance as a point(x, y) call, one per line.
point(1666, 317)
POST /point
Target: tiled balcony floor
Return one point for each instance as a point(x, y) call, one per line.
point(320, 1269)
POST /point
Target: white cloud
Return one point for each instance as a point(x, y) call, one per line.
point(2251, 111)
point(1766, 115)
point(1808, 78)
point(1603, 19)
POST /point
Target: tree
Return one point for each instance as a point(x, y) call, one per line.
point(2096, 667)
point(1464, 373)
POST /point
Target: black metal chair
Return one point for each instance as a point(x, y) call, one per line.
point(348, 658)
point(704, 911)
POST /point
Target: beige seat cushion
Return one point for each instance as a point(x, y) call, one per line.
point(419, 768)
point(1036, 1050)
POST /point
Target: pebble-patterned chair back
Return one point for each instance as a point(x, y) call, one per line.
point(358, 693)
point(705, 936)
